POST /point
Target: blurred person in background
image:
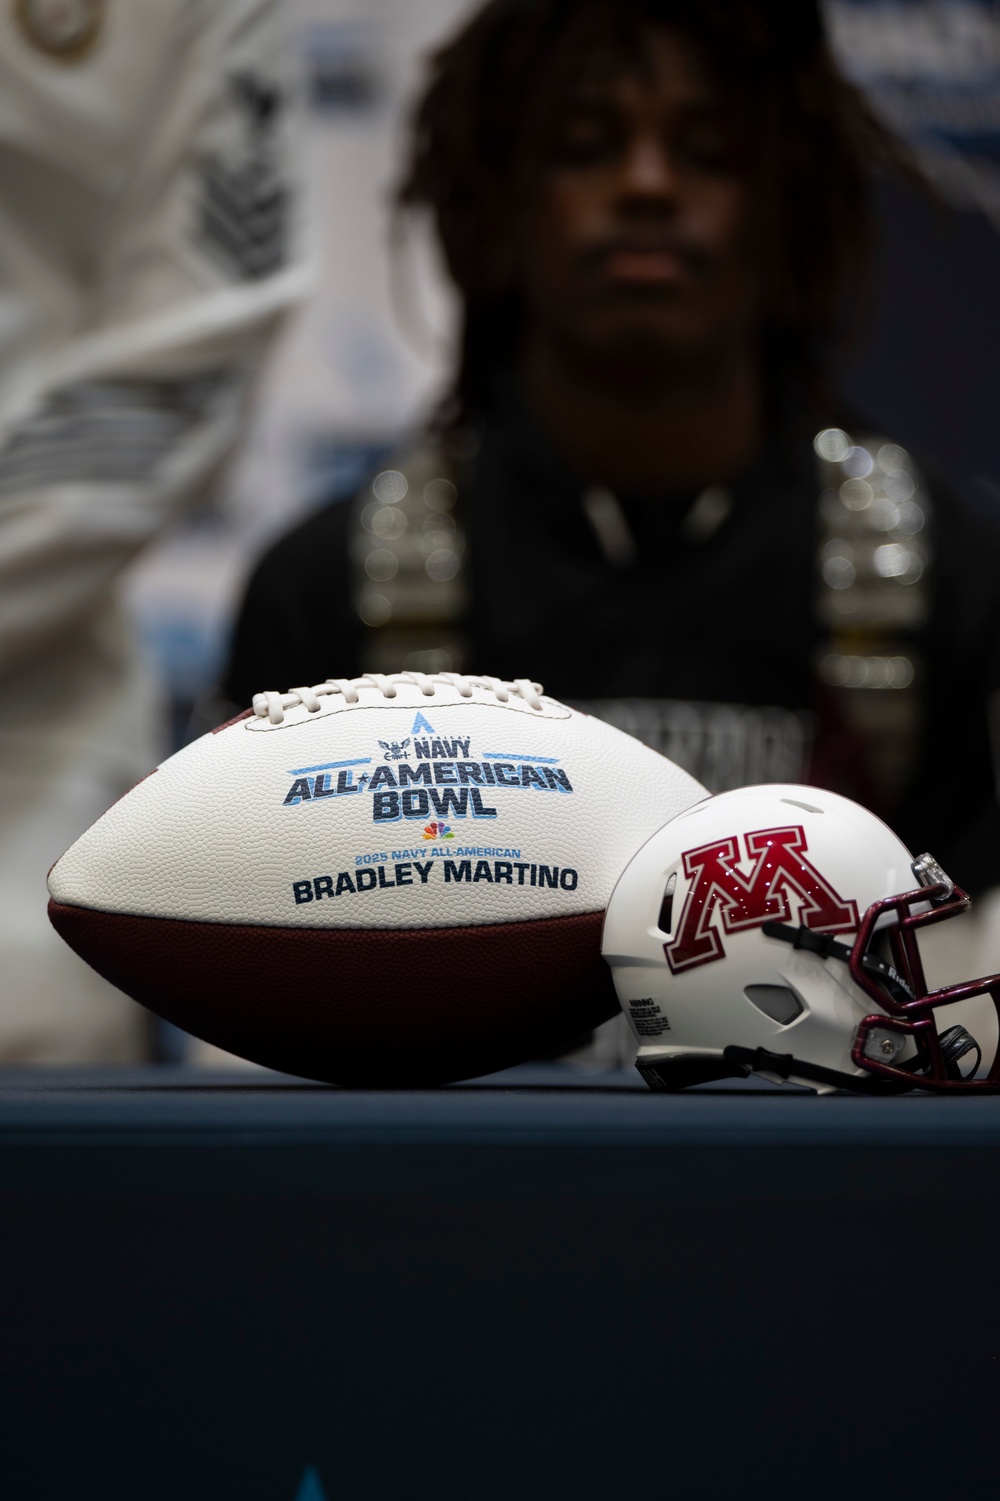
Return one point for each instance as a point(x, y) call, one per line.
point(148, 250)
point(643, 490)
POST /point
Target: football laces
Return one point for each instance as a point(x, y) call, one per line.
point(271, 705)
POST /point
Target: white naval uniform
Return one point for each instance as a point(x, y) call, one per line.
point(150, 242)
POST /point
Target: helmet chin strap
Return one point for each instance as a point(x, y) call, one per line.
point(680, 1072)
point(955, 1043)
point(785, 1066)
point(827, 947)
point(739, 1063)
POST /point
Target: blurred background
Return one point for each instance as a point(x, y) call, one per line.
point(359, 365)
point(311, 405)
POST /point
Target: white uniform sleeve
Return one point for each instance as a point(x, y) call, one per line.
point(142, 276)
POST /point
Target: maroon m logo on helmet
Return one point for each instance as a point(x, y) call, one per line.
point(717, 886)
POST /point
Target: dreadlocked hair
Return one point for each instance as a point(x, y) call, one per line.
point(479, 132)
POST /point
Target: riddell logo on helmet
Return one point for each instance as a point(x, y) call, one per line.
point(780, 871)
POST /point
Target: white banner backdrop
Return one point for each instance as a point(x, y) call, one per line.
point(355, 369)
point(932, 69)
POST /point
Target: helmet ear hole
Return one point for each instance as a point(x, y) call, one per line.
point(665, 919)
point(778, 1002)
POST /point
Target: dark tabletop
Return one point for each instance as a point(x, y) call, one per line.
point(540, 1104)
point(528, 1132)
point(545, 1284)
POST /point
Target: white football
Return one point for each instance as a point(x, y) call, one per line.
point(385, 879)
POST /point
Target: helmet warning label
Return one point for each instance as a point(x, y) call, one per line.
point(646, 1017)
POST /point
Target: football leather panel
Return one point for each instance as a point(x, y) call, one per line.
point(281, 823)
point(364, 1007)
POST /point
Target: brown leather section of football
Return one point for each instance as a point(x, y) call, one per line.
point(359, 1006)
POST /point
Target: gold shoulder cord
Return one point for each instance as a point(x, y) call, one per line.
point(873, 596)
point(409, 565)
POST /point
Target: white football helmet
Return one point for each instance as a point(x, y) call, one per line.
point(772, 930)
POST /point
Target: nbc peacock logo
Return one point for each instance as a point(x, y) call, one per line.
point(438, 831)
